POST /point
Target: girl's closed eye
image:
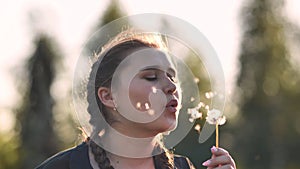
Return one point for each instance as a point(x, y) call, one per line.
point(151, 77)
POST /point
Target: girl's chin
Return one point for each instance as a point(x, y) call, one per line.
point(170, 127)
point(173, 127)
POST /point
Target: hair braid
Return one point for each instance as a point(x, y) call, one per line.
point(100, 156)
point(165, 159)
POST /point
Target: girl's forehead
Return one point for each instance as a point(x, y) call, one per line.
point(150, 58)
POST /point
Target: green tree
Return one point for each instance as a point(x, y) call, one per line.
point(269, 91)
point(112, 13)
point(8, 155)
point(35, 115)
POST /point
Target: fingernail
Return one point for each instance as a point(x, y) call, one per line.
point(214, 149)
point(206, 163)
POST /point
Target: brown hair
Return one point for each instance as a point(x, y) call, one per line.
point(101, 75)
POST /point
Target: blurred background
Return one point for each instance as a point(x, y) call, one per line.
point(257, 42)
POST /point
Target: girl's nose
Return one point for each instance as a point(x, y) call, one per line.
point(169, 86)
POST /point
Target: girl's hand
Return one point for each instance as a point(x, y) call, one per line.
point(221, 159)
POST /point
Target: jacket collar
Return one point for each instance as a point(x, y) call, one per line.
point(80, 158)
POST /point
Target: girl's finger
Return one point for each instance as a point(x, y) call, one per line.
point(225, 167)
point(218, 151)
point(220, 160)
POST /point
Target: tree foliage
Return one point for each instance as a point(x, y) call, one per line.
point(35, 115)
point(9, 155)
point(269, 91)
point(112, 13)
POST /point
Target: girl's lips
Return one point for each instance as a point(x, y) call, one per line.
point(172, 106)
point(173, 103)
point(171, 109)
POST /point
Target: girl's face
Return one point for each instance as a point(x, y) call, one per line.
point(147, 91)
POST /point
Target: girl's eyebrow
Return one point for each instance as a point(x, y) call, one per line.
point(155, 67)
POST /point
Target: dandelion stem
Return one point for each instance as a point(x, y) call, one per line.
point(217, 135)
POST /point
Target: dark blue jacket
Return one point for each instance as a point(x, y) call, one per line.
point(78, 158)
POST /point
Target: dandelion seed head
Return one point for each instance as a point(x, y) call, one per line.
point(215, 116)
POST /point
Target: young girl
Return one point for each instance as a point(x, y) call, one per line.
point(134, 97)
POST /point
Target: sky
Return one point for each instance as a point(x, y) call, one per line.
point(70, 22)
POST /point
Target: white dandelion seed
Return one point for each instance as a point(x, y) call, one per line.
point(147, 106)
point(101, 133)
point(197, 115)
point(138, 105)
point(151, 112)
point(209, 95)
point(198, 127)
point(196, 80)
point(194, 114)
point(154, 90)
point(201, 104)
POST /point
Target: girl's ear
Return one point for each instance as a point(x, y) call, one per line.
point(105, 97)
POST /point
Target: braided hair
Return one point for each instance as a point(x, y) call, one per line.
point(100, 76)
